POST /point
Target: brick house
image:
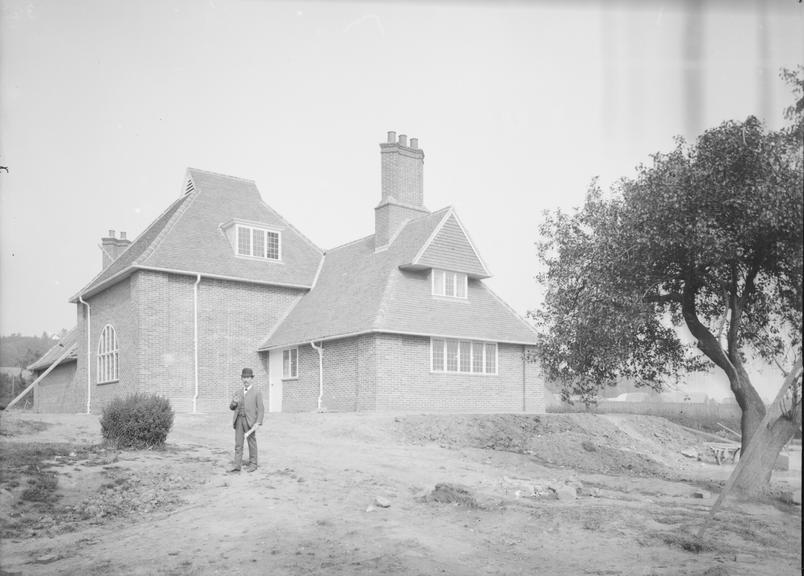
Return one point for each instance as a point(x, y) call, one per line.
point(399, 320)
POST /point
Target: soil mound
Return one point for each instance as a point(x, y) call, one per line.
point(637, 445)
point(445, 493)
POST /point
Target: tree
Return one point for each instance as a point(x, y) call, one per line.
point(708, 236)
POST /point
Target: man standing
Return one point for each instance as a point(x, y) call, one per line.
point(248, 415)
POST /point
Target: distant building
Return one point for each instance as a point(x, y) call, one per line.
point(398, 320)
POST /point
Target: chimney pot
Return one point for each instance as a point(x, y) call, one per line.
point(402, 191)
point(122, 235)
point(111, 233)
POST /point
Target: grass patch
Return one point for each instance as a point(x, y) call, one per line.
point(19, 427)
point(686, 542)
point(34, 503)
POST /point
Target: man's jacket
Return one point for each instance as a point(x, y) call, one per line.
point(252, 406)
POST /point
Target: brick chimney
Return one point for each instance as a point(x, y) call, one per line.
point(402, 187)
point(112, 247)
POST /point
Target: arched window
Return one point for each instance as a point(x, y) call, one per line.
point(107, 355)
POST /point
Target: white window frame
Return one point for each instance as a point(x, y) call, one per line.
point(108, 356)
point(472, 345)
point(460, 284)
point(288, 355)
point(259, 255)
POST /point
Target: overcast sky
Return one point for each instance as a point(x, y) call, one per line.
point(517, 106)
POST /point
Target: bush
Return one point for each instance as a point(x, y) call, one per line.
point(137, 421)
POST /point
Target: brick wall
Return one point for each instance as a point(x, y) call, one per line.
point(165, 355)
point(301, 394)
point(114, 306)
point(367, 372)
point(233, 320)
point(153, 312)
point(391, 372)
point(61, 391)
point(404, 380)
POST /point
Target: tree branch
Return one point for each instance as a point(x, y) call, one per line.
point(707, 342)
point(662, 298)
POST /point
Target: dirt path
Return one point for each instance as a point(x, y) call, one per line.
point(310, 508)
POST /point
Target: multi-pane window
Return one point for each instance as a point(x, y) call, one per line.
point(108, 355)
point(466, 356)
point(290, 363)
point(257, 242)
point(491, 358)
point(451, 284)
point(452, 355)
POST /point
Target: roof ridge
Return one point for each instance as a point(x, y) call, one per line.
point(449, 210)
point(289, 225)
point(350, 243)
point(180, 211)
point(133, 242)
point(510, 308)
point(281, 320)
point(191, 169)
point(386, 289)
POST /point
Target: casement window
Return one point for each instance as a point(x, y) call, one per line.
point(463, 356)
point(449, 284)
point(258, 242)
point(290, 363)
point(108, 356)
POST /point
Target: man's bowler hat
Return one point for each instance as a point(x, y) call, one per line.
point(247, 373)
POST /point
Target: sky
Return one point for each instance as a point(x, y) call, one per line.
point(517, 106)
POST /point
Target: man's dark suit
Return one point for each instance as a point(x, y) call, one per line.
point(248, 411)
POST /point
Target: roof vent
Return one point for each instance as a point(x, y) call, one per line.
point(190, 187)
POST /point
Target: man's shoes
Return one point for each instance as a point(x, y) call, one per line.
point(233, 471)
point(251, 468)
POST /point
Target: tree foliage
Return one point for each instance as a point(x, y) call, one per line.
point(707, 236)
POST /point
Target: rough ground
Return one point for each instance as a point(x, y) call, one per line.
point(557, 494)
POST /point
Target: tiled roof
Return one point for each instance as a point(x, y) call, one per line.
point(359, 290)
point(69, 342)
point(188, 238)
point(450, 248)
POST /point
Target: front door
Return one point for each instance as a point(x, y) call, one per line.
point(275, 381)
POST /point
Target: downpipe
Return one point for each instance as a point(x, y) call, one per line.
point(195, 341)
point(89, 354)
point(320, 350)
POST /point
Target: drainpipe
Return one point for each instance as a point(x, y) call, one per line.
point(89, 355)
point(320, 350)
point(524, 380)
point(195, 340)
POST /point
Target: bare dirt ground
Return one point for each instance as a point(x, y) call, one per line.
point(556, 494)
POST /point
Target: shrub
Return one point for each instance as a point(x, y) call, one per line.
point(137, 421)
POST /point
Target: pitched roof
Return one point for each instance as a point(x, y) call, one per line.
point(188, 238)
point(68, 342)
point(360, 289)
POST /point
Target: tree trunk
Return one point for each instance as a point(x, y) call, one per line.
point(756, 474)
point(782, 420)
point(751, 406)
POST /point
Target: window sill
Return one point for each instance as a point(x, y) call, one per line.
point(290, 379)
point(450, 299)
point(259, 259)
point(107, 383)
point(445, 373)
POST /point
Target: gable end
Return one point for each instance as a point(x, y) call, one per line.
point(450, 248)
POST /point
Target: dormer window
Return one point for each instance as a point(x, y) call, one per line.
point(449, 284)
point(257, 242)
